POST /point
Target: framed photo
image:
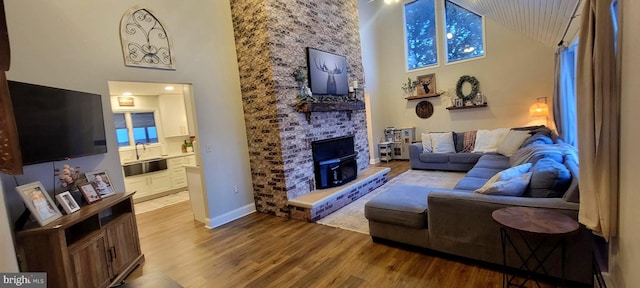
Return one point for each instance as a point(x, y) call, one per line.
point(68, 203)
point(459, 102)
point(89, 192)
point(101, 182)
point(426, 84)
point(37, 199)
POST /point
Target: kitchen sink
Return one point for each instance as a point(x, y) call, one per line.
point(144, 166)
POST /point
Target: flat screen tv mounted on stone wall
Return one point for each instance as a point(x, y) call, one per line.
point(327, 73)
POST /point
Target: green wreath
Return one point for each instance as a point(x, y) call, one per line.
point(475, 87)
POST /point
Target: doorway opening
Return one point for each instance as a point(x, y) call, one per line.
point(155, 127)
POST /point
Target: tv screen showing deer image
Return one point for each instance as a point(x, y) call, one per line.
point(327, 73)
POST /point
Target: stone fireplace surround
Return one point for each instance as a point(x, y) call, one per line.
point(271, 38)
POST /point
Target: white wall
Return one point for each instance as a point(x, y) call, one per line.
point(515, 71)
point(75, 44)
point(625, 250)
point(7, 255)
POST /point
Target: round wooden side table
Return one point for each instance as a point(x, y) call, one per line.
point(533, 223)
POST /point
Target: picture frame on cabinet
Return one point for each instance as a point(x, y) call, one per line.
point(67, 202)
point(89, 192)
point(39, 203)
point(101, 182)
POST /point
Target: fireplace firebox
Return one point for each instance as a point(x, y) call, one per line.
point(334, 161)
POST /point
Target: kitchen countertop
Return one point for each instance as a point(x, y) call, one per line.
point(170, 156)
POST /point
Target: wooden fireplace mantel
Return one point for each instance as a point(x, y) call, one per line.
point(349, 107)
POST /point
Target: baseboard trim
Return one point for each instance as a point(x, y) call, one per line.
point(230, 216)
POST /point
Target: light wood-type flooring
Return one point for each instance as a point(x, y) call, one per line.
point(261, 250)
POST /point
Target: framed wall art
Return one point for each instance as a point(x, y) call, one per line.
point(427, 85)
point(37, 200)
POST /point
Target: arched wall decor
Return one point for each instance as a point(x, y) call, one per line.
point(145, 41)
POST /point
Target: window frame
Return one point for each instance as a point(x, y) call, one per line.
point(444, 35)
point(129, 124)
point(404, 37)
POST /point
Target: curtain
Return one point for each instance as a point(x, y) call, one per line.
point(10, 157)
point(598, 121)
point(564, 96)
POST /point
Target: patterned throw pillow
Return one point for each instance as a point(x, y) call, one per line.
point(469, 141)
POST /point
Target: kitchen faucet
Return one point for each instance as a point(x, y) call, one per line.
point(143, 148)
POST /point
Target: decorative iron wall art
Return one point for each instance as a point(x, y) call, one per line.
point(145, 41)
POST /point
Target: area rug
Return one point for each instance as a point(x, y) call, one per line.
point(351, 217)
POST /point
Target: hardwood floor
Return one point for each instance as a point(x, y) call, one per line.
point(397, 167)
point(261, 250)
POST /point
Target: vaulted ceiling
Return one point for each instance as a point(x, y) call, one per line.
point(543, 20)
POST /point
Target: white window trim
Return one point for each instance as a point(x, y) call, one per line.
point(404, 37)
point(127, 118)
point(444, 37)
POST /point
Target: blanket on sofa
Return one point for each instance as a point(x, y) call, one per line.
point(533, 153)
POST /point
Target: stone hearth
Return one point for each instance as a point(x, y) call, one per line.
point(320, 203)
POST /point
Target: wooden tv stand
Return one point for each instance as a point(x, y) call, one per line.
point(97, 246)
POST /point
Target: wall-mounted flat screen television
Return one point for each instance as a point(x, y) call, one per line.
point(56, 124)
point(327, 73)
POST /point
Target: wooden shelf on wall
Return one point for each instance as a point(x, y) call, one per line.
point(349, 107)
point(467, 107)
point(421, 96)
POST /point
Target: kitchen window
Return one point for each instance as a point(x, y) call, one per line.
point(134, 127)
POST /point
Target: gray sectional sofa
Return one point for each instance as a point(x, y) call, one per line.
point(458, 221)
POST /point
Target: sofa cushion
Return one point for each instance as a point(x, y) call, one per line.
point(482, 172)
point(443, 142)
point(506, 175)
point(512, 187)
point(403, 205)
point(512, 142)
point(434, 158)
point(470, 183)
point(488, 140)
point(426, 143)
point(550, 179)
point(495, 161)
point(458, 139)
point(466, 158)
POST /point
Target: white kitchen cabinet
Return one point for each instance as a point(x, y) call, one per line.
point(173, 115)
point(148, 184)
point(178, 174)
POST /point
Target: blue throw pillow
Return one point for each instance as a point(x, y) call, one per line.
point(549, 179)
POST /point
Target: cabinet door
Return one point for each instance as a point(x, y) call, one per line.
point(123, 243)
point(90, 262)
point(174, 115)
point(139, 184)
point(160, 182)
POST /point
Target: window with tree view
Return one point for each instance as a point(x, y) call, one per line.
point(464, 33)
point(420, 34)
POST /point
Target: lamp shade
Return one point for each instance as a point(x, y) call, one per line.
point(539, 109)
